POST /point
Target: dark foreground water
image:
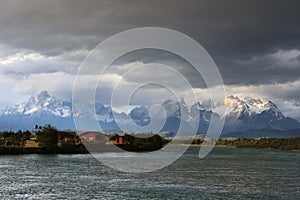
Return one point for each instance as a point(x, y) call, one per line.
point(225, 174)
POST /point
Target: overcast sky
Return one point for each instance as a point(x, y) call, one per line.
point(255, 44)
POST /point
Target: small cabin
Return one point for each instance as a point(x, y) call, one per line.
point(66, 136)
point(93, 137)
point(120, 140)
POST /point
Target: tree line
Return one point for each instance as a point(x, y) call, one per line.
point(46, 138)
point(14, 139)
point(263, 143)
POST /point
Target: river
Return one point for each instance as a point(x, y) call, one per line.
point(226, 173)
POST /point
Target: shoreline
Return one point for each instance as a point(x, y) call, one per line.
point(40, 151)
point(235, 147)
point(199, 145)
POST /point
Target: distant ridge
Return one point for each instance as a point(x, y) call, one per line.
point(243, 114)
point(264, 133)
point(252, 113)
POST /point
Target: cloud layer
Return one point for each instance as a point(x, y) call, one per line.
point(255, 44)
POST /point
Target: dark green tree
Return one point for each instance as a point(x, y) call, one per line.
point(48, 137)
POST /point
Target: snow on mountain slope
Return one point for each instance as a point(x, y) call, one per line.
point(104, 114)
point(140, 115)
point(243, 114)
point(251, 113)
point(250, 106)
point(41, 103)
point(176, 109)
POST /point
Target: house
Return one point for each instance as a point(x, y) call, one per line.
point(95, 137)
point(116, 139)
point(66, 135)
point(120, 140)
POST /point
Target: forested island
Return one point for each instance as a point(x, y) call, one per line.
point(49, 140)
point(144, 142)
point(46, 140)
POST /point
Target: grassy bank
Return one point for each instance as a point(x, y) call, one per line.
point(287, 144)
point(20, 150)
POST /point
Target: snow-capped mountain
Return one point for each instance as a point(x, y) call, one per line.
point(104, 114)
point(176, 112)
point(43, 103)
point(41, 109)
point(243, 114)
point(45, 109)
point(204, 116)
point(173, 109)
point(252, 113)
point(251, 106)
point(140, 115)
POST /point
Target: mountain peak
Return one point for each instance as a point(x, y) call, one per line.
point(248, 112)
point(43, 103)
point(44, 92)
point(245, 113)
point(249, 105)
point(43, 95)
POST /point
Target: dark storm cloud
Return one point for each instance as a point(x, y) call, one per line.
point(273, 67)
point(233, 32)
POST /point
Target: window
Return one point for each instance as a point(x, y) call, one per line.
point(91, 138)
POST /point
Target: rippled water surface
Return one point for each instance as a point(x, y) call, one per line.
point(225, 174)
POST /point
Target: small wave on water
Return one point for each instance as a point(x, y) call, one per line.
point(226, 173)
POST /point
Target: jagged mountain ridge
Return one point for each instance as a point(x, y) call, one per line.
point(39, 104)
point(251, 106)
point(40, 109)
point(243, 114)
point(252, 113)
